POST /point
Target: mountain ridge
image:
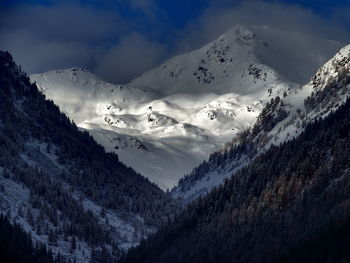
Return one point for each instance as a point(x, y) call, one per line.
point(179, 130)
point(281, 120)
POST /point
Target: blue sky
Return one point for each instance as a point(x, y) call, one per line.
point(109, 36)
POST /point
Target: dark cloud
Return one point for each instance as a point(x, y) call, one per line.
point(43, 38)
point(68, 33)
point(36, 54)
point(130, 57)
point(64, 22)
point(148, 7)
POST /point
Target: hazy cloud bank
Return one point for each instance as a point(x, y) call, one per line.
point(63, 35)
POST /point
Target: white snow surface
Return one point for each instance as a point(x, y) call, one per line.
point(171, 118)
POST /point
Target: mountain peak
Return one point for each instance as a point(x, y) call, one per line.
point(231, 63)
point(345, 50)
point(239, 34)
point(333, 70)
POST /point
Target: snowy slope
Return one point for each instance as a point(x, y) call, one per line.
point(281, 120)
point(226, 64)
point(81, 93)
point(170, 119)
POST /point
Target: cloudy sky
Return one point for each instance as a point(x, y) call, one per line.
point(120, 39)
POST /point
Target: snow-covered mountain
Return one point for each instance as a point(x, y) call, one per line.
point(233, 63)
point(283, 119)
point(242, 60)
point(171, 118)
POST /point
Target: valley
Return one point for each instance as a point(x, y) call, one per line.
point(170, 119)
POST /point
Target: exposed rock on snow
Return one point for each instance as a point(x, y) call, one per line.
point(189, 106)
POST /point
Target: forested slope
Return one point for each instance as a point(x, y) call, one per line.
point(60, 185)
point(287, 196)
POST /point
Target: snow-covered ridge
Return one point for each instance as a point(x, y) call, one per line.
point(181, 111)
point(229, 63)
point(282, 119)
point(333, 69)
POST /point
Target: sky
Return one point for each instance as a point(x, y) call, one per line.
point(121, 39)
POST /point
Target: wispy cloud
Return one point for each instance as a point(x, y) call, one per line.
point(219, 18)
point(43, 38)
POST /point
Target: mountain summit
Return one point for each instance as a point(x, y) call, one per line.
point(283, 119)
point(228, 64)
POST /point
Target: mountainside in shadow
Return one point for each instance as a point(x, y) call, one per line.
point(17, 246)
point(62, 187)
point(287, 201)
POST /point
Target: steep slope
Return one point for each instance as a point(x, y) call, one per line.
point(172, 118)
point(282, 119)
point(62, 187)
point(287, 197)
